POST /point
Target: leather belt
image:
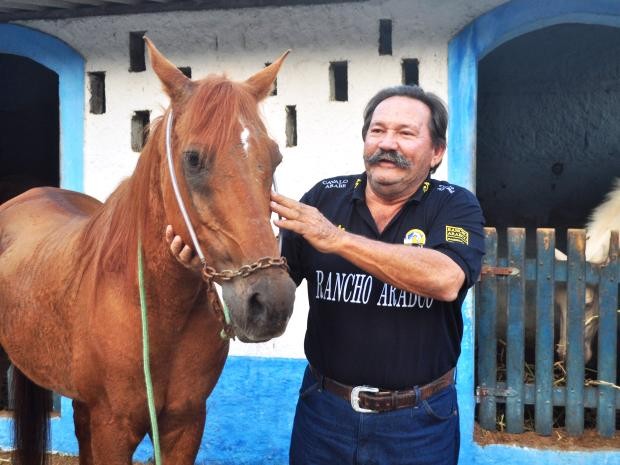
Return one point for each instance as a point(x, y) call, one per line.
point(368, 399)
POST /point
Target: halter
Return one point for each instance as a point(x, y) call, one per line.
point(209, 274)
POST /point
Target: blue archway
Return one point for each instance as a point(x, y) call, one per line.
point(465, 50)
point(69, 65)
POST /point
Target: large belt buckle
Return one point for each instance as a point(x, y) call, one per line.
point(355, 398)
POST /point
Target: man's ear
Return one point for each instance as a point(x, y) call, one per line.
point(438, 154)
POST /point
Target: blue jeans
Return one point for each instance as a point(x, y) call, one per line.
point(327, 431)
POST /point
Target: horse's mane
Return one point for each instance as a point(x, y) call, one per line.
point(213, 111)
point(604, 219)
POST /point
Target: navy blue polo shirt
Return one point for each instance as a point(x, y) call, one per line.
point(364, 331)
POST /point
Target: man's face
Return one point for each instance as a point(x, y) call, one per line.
point(398, 149)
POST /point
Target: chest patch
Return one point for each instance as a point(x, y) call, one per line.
point(415, 237)
point(335, 183)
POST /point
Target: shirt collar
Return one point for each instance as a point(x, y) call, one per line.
point(360, 189)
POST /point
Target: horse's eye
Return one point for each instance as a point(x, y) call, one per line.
point(192, 159)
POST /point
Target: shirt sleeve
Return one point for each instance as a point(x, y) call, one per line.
point(458, 232)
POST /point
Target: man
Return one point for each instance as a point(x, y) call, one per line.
point(388, 256)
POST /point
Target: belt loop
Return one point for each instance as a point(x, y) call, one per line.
point(418, 394)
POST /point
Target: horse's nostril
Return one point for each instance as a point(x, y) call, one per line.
point(256, 306)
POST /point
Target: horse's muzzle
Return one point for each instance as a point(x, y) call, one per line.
point(260, 304)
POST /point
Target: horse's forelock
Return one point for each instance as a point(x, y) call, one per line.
point(215, 111)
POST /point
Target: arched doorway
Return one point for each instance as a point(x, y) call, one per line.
point(548, 128)
point(465, 51)
point(42, 115)
point(29, 141)
point(39, 49)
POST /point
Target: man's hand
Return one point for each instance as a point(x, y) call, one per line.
point(182, 252)
point(306, 221)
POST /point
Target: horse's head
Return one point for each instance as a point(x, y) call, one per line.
point(224, 162)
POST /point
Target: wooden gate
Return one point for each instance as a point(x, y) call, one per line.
point(545, 271)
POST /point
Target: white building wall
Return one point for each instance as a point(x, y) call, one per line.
point(239, 42)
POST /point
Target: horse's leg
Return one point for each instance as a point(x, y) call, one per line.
point(81, 420)
point(180, 436)
point(114, 437)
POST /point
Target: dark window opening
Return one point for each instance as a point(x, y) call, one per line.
point(139, 129)
point(96, 83)
point(385, 37)
point(338, 81)
point(274, 89)
point(291, 126)
point(186, 70)
point(411, 71)
point(136, 52)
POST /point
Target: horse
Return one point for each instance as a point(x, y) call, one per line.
point(69, 293)
point(603, 219)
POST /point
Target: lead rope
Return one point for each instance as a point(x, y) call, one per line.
point(147, 359)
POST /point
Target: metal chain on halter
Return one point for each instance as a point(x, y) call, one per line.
point(215, 303)
point(209, 273)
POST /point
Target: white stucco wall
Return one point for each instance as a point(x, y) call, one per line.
point(239, 42)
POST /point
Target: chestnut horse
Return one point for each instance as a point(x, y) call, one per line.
point(69, 296)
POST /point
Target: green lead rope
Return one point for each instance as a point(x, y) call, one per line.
point(146, 359)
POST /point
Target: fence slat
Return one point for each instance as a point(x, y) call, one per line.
point(487, 338)
point(575, 370)
point(545, 285)
point(515, 331)
point(607, 341)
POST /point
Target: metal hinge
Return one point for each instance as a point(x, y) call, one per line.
point(484, 391)
point(500, 270)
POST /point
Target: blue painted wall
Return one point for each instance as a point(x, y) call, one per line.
point(464, 52)
point(249, 415)
point(69, 65)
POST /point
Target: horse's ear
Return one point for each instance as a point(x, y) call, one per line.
point(171, 77)
point(260, 84)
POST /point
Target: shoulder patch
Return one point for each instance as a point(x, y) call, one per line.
point(456, 234)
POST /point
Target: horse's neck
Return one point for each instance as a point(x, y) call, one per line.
point(604, 219)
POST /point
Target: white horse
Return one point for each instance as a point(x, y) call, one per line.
point(604, 219)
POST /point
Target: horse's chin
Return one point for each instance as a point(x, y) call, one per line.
point(257, 334)
point(255, 340)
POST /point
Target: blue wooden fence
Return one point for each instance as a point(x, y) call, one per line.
point(512, 272)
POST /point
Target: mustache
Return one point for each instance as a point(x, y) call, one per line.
point(392, 156)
